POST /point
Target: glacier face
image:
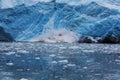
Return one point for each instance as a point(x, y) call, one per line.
point(85, 18)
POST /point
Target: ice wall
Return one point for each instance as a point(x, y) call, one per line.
point(92, 18)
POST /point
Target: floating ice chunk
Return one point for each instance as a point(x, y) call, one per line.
point(62, 47)
point(54, 62)
point(63, 61)
point(85, 67)
point(28, 69)
point(23, 51)
point(117, 60)
point(71, 65)
point(10, 53)
point(7, 78)
point(52, 55)
point(37, 58)
point(23, 79)
point(6, 73)
point(74, 47)
point(10, 64)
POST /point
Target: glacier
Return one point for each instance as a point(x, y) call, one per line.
point(5, 36)
point(89, 20)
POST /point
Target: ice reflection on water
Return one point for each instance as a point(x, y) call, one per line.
point(42, 61)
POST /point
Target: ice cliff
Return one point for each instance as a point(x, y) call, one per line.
point(28, 20)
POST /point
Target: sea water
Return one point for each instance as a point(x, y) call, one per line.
point(59, 61)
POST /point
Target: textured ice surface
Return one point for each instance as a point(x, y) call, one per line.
point(96, 18)
point(61, 61)
point(13, 3)
point(113, 4)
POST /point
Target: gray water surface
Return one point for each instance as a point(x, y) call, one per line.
point(60, 61)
